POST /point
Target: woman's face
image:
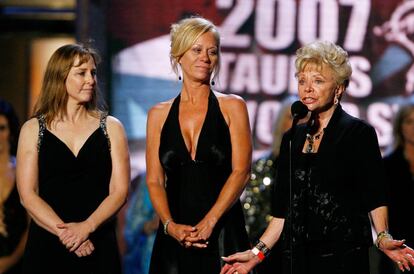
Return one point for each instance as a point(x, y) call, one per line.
point(4, 133)
point(199, 61)
point(408, 128)
point(81, 81)
point(317, 87)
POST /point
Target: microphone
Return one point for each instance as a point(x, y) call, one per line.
point(298, 110)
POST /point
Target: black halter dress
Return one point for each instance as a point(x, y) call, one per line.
point(192, 189)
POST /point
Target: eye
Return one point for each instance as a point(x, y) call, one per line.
point(213, 52)
point(196, 50)
point(301, 81)
point(319, 81)
point(93, 72)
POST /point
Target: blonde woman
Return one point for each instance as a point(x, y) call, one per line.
point(322, 221)
point(198, 160)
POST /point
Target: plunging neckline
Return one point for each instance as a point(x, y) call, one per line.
point(200, 135)
point(76, 156)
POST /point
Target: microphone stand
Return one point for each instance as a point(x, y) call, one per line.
point(292, 135)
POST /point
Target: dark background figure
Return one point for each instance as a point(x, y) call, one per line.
point(399, 168)
point(13, 217)
point(72, 171)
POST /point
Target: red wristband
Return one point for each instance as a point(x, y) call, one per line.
point(258, 253)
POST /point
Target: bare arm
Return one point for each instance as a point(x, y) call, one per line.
point(379, 217)
point(244, 262)
point(155, 172)
point(237, 119)
point(27, 179)
point(396, 250)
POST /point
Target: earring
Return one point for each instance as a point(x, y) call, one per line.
point(213, 83)
point(179, 78)
point(336, 100)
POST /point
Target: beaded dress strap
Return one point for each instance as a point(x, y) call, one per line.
point(42, 128)
point(102, 124)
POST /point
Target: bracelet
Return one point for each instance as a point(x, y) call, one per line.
point(263, 248)
point(381, 236)
point(167, 222)
point(258, 253)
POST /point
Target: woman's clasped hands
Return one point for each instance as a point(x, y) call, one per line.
point(192, 236)
point(74, 236)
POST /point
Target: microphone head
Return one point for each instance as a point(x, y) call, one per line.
point(298, 110)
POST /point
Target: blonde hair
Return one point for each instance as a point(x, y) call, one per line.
point(53, 95)
point(184, 34)
point(401, 116)
point(279, 129)
point(323, 52)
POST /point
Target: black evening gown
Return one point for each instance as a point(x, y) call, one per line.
point(15, 219)
point(73, 186)
point(192, 188)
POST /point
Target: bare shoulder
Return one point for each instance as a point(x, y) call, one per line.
point(230, 102)
point(158, 113)
point(29, 133)
point(30, 127)
point(114, 123)
point(161, 108)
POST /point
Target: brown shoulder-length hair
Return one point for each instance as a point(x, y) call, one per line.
point(53, 96)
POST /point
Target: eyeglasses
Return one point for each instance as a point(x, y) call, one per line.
point(3, 127)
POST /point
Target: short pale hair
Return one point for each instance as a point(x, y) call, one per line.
point(323, 52)
point(184, 34)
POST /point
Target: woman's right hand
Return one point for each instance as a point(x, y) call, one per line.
point(73, 235)
point(180, 232)
point(85, 249)
point(240, 263)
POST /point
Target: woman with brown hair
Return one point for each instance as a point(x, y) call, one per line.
point(72, 171)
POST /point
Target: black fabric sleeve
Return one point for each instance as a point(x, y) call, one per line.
point(371, 170)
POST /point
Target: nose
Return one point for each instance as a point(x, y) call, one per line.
point(204, 56)
point(308, 86)
point(90, 78)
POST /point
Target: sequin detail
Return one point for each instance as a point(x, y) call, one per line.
point(102, 124)
point(42, 128)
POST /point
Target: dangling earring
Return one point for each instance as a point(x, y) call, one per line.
point(336, 100)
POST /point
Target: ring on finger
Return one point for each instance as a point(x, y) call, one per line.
point(399, 262)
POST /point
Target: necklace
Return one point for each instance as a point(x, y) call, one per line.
point(311, 139)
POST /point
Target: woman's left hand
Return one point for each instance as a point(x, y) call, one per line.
point(73, 234)
point(199, 237)
point(398, 252)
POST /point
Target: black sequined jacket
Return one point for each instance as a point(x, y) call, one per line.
point(334, 189)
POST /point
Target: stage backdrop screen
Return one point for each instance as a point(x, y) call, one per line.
point(259, 40)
